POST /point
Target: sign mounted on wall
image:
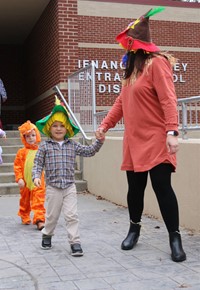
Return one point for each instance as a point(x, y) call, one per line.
point(107, 72)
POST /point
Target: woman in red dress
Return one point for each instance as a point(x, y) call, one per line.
point(148, 104)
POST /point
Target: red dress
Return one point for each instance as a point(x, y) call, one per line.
point(148, 105)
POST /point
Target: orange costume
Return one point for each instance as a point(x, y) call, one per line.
point(32, 197)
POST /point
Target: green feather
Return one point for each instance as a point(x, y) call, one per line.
point(154, 11)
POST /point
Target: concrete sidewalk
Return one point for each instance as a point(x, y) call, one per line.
point(103, 225)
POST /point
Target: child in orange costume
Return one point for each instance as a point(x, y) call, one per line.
point(32, 197)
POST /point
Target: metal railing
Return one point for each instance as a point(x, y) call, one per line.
point(189, 115)
point(82, 105)
point(82, 98)
point(72, 115)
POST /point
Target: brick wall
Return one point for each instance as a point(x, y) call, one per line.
point(68, 37)
point(50, 52)
point(164, 33)
point(48, 56)
point(12, 74)
point(175, 3)
point(54, 48)
point(42, 54)
point(104, 30)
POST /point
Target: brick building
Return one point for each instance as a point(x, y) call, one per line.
point(66, 35)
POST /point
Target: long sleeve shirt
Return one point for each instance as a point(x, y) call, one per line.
point(59, 160)
point(149, 108)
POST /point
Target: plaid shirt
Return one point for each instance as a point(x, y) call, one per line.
point(59, 161)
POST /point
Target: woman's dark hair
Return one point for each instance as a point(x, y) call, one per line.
point(135, 61)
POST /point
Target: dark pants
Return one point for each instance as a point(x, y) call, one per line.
point(160, 177)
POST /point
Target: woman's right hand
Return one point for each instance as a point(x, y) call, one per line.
point(100, 134)
point(172, 144)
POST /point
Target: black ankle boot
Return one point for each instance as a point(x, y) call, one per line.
point(132, 237)
point(178, 254)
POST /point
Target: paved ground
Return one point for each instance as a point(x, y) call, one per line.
point(24, 266)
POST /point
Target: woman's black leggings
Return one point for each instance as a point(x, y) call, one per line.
point(161, 182)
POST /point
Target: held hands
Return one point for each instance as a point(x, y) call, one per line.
point(37, 182)
point(172, 144)
point(21, 183)
point(100, 134)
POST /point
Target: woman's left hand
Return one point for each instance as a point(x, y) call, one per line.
point(172, 144)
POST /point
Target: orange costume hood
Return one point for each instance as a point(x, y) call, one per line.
point(26, 128)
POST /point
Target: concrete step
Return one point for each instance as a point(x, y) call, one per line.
point(12, 133)
point(6, 167)
point(81, 185)
point(11, 141)
point(9, 176)
point(8, 158)
point(12, 187)
point(10, 149)
point(9, 188)
point(16, 134)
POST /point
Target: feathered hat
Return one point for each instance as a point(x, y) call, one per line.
point(137, 34)
point(61, 114)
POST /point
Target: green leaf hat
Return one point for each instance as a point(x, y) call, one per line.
point(61, 114)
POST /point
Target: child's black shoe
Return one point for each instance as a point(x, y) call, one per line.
point(46, 242)
point(76, 250)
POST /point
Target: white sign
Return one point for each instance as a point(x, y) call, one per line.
point(110, 74)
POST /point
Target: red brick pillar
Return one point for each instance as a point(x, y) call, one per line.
point(68, 37)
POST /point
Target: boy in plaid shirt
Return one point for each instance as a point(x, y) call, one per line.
point(58, 156)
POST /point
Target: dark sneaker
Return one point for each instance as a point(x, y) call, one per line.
point(46, 242)
point(76, 250)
